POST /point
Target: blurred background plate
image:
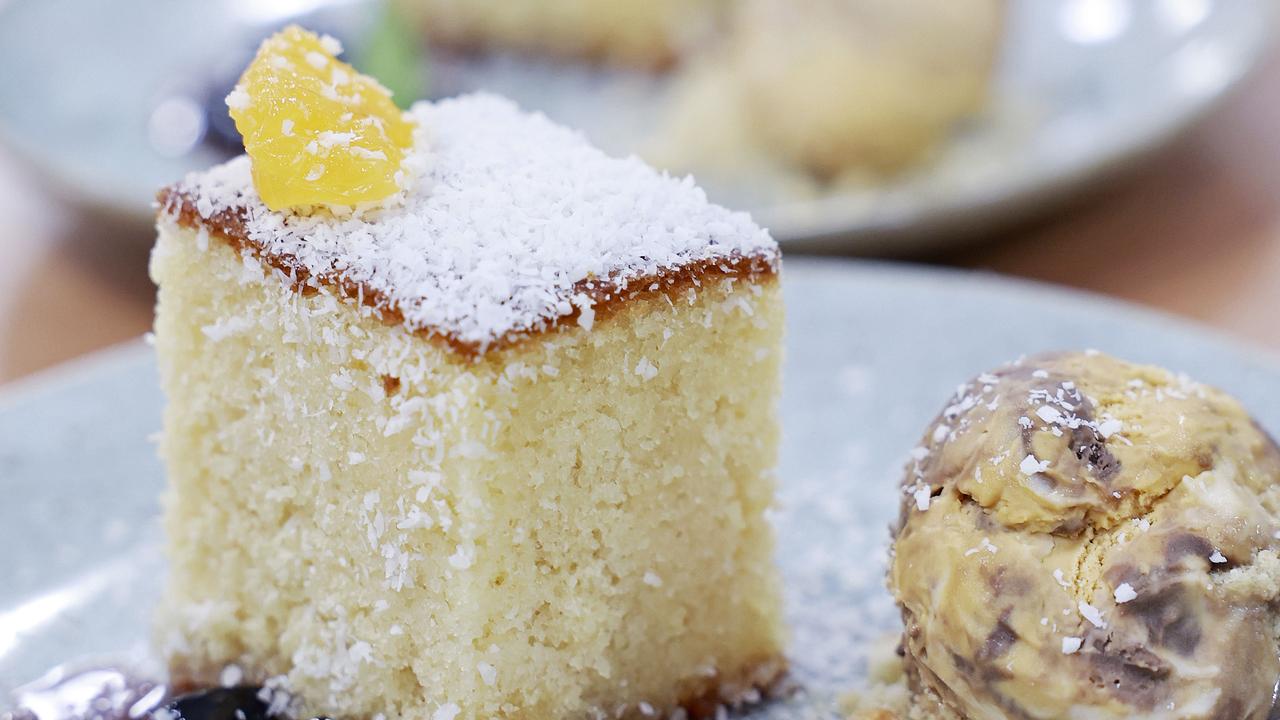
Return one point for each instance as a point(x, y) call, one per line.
point(873, 352)
point(1084, 88)
point(120, 99)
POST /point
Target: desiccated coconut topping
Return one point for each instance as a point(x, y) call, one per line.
point(511, 223)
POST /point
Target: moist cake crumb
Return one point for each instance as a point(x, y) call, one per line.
point(562, 527)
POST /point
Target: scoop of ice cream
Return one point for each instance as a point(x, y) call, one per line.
point(1081, 537)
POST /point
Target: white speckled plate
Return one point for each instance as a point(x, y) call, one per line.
point(873, 351)
point(1083, 87)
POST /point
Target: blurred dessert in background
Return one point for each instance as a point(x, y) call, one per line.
point(1083, 537)
point(805, 92)
point(832, 89)
point(1079, 92)
point(636, 33)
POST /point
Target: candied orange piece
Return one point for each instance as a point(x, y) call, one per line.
point(317, 132)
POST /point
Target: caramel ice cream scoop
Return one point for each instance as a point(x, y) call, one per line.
point(1086, 539)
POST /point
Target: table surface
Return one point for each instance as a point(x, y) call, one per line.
point(1194, 231)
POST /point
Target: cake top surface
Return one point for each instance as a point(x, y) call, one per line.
point(511, 224)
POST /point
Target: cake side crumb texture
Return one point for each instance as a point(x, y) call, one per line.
point(512, 224)
point(572, 528)
point(568, 527)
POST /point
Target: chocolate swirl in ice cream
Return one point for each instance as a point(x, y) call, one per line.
point(1083, 537)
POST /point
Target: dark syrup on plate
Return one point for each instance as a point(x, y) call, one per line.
point(103, 693)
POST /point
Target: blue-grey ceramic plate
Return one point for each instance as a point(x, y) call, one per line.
point(106, 99)
point(873, 352)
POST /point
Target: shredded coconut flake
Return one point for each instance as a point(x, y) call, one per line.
point(1125, 593)
point(986, 545)
point(1092, 614)
point(329, 138)
point(1217, 558)
point(1030, 465)
point(226, 327)
point(646, 369)
point(922, 498)
point(231, 676)
point(506, 213)
point(331, 44)
point(238, 99)
point(1071, 645)
point(367, 153)
point(462, 557)
point(275, 694)
point(447, 711)
point(1049, 414)
point(1109, 427)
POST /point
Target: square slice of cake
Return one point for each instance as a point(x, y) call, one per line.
point(500, 449)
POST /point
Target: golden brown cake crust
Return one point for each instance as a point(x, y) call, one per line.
point(607, 296)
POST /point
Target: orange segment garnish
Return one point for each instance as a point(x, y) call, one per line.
point(317, 132)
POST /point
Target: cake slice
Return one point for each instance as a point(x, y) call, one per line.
point(501, 447)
